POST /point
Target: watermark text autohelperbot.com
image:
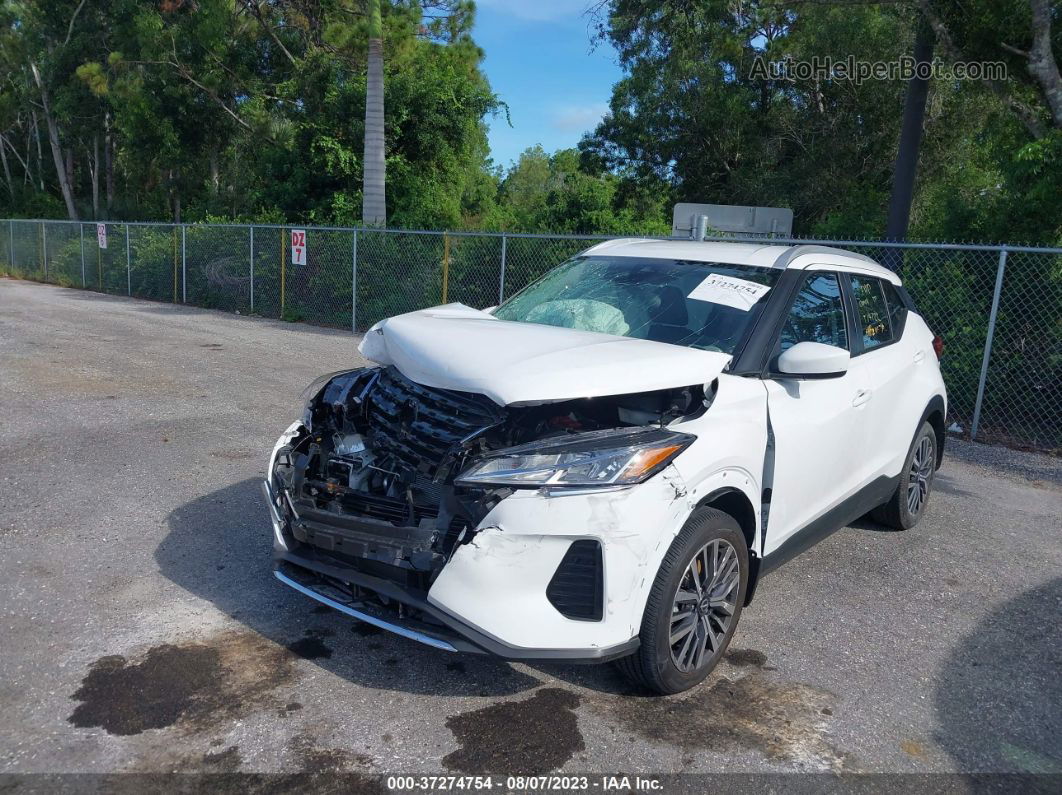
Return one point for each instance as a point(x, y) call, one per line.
point(825, 67)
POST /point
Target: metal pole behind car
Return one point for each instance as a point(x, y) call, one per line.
point(184, 265)
point(251, 252)
point(501, 280)
point(354, 284)
point(988, 344)
point(81, 230)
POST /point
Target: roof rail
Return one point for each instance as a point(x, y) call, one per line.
point(793, 252)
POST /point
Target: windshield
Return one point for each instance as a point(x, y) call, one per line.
point(697, 304)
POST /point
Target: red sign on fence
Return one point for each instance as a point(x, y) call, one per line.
point(298, 246)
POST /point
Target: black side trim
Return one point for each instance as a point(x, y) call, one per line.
point(577, 586)
point(460, 635)
point(870, 496)
point(752, 357)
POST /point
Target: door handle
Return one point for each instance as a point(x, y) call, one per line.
point(861, 397)
point(919, 357)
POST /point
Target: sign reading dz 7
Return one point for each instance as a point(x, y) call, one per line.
point(298, 246)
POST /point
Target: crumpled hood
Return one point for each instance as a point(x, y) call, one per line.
point(461, 348)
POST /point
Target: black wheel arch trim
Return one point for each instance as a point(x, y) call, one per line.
point(935, 406)
point(747, 524)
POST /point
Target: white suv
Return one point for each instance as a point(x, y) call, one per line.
point(603, 467)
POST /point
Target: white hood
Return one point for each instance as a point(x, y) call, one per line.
point(457, 347)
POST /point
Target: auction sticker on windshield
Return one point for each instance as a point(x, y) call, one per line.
point(729, 291)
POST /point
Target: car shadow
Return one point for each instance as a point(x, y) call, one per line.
point(219, 548)
point(999, 694)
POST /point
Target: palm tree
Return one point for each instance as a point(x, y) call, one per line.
point(374, 168)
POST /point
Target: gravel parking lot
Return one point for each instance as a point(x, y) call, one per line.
point(142, 629)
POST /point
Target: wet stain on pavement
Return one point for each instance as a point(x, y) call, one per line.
point(540, 733)
point(312, 646)
point(785, 721)
point(743, 658)
point(196, 685)
point(456, 667)
point(363, 630)
point(330, 769)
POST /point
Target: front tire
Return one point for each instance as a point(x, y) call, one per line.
point(908, 503)
point(694, 605)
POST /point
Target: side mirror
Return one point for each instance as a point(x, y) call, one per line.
point(813, 360)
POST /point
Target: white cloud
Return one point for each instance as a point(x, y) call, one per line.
point(538, 10)
point(577, 118)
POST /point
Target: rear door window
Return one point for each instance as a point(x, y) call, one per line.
point(897, 308)
point(874, 320)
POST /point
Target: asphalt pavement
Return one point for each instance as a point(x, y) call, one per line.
point(142, 630)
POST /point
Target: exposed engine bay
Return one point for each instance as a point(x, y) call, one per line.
point(370, 481)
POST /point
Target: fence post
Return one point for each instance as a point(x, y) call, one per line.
point(175, 264)
point(44, 249)
point(988, 343)
point(81, 229)
point(501, 283)
point(354, 284)
point(184, 266)
point(128, 264)
point(251, 238)
point(11, 242)
point(283, 273)
point(446, 267)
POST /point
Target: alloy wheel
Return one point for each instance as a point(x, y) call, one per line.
point(921, 472)
point(704, 605)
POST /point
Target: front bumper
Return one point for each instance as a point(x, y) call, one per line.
point(490, 596)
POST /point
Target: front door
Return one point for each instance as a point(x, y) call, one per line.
point(818, 424)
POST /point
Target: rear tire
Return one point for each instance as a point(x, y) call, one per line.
point(908, 503)
point(694, 605)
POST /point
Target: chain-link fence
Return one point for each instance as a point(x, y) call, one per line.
point(998, 308)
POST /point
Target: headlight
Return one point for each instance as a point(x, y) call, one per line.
point(598, 458)
point(319, 385)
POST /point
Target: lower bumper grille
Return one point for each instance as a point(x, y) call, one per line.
point(577, 587)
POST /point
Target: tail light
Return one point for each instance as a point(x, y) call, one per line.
point(938, 346)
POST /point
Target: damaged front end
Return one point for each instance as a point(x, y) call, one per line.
point(386, 479)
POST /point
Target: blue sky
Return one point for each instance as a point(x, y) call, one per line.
point(539, 60)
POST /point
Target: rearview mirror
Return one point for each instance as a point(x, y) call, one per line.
point(813, 360)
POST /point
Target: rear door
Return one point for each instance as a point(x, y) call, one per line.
point(889, 361)
point(818, 424)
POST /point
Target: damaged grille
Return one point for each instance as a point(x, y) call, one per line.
point(371, 484)
point(418, 426)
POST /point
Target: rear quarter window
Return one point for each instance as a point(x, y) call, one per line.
point(896, 306)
